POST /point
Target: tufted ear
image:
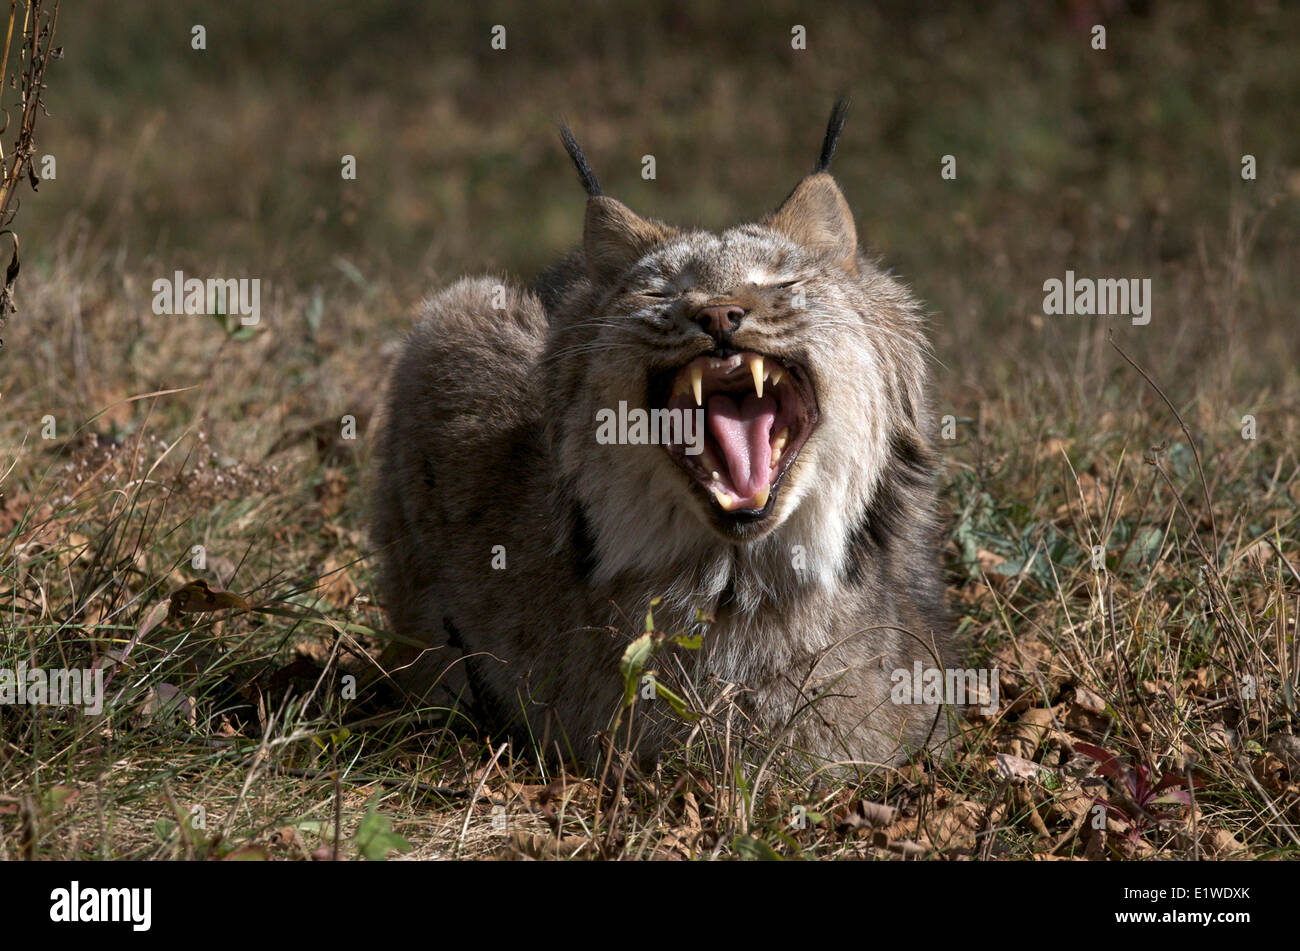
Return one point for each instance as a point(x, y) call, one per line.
point(614, 237)
point(817, 216)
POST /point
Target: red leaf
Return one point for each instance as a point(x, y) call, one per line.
point(1107, 764)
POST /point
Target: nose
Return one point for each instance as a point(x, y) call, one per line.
point(719, 320)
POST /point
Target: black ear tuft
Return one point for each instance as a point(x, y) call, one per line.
point(584, 170)
point(833, 129)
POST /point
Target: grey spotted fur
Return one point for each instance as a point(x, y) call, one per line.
point(488, 439)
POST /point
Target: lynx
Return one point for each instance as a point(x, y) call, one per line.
point(800, 539)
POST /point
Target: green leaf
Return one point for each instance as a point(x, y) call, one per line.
point(246, 853)
point(56, 797)
point(1145, 547)
point(375, 837)
point(677, 703)
point(633, 662)
point(755, 850)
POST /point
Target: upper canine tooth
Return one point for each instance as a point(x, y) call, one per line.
point(756, 368)
point(776, 375)
point(697, 383)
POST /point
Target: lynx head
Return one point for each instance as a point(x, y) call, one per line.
point(803, 360)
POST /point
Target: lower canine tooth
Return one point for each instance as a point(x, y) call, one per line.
point(697, 383)
point(724, 500)
point(760, 500)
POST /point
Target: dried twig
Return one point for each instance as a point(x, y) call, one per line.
point(35, 50)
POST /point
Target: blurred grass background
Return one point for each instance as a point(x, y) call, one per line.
point(1122, 162)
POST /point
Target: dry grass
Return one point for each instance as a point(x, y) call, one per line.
point(172, 432)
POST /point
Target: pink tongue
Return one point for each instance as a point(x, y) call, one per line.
point(744, 432)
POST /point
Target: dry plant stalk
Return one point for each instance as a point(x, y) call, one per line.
point(35, 50)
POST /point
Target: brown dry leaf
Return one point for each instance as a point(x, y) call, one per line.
point(1070, 804)
point(75, 548)
point(1216, 842)
point(288, 839)
point(951, 826)
point(12, 507)
point(1053, 446)
point(1219, 736)
point(955, 825)
point(1089, 700)
point(1092, 490)
point(575, 791)
point(332, 491)
point(1133, 849)
point(117, 411)
point(1017, 768)
point(1200, 681)
point(1027, 805)
point(1223, 844)
point(198, 597)
point(1080, 720)
point(1271, 772)
point(1029, 732)
point(1258, 553)
point(168, 702)
point(684, 839)
point(1012, 694)
point(337, 586)
point(691, 813)
point(151, 620)
point(1027, 657)
point(536, 845)
point(913, 773)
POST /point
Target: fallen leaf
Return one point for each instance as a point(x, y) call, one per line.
point(198, 597)
point(1014, 767)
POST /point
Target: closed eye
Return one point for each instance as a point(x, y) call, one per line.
point(654, 295)
point(786, 285)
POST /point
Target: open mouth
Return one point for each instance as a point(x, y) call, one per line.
point(758, 413)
